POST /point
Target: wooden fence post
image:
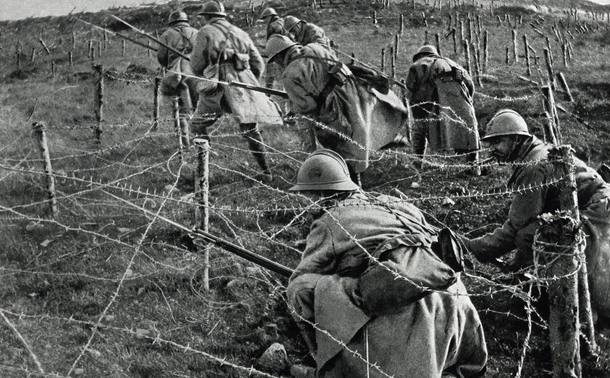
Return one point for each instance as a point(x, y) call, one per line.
point(397, 47)
point(202, 212)
point(156, 104)
point(18, 58)
point(401, 25)
point(99, 101)
point(44, 45)
point(557, 235)
point(550, 109)
point(392, 62)
point(485, 50)
point(41, 136)
point(383, 60)
point(437, 40)
point(527, 55)
point(515, 46)
point(477, 66)
point(549, 67)
point(564, 85)
point(467, 57)
point(178, 128)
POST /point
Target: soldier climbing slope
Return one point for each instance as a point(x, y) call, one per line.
point(355, 117)
point(440, 94)
point(304, 32)
point(181, 37)
point(223, 52)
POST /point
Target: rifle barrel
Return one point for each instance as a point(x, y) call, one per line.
point(179, 53)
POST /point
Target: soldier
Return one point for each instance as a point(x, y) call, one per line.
point(510, 141)
point(181, 37)
point(275, 25)
point(440, 94)
point(223, 52)
point(305, 33)
point(324, 289)
point(353, 117)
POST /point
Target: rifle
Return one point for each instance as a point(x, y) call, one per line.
point(232, 83)
point(259, 89)
point(224, 244)
point(150, 37)
point(117, 34)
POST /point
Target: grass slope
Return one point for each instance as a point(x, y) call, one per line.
point(105, 289)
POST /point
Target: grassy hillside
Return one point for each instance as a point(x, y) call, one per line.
point(109, 288)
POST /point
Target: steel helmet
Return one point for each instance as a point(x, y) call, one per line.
point(290, 22)
point(213, 8)
point(177, 16)
point(276, 44)
point(505, 122)
point(425, 50)
point(268, 12)
point(324, 170)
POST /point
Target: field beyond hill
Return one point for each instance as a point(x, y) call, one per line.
point(111, 282)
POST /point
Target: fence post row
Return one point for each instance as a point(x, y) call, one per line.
point(41, 136)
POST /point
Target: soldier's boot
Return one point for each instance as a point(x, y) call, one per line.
point(256, 145)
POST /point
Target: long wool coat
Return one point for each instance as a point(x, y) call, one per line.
point(237, 59)
point(181, 37)
point(354, 120)
point(518, 231)
point(441, 92)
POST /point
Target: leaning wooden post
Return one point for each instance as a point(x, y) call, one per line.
point(392, 62)
point(202, 212)
point(156, 104)
point(477, 66)
point(41, 136)
point(44, 45)
point(99, 101)
point(397, 47)
point(551, 112)
point(33, 54)
point(176, 116)
point(527, 55)
point(467, 57)
point(549, 67)
point(485, 50)
point(401, 25)
point(564, 85)
point(556, 236)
